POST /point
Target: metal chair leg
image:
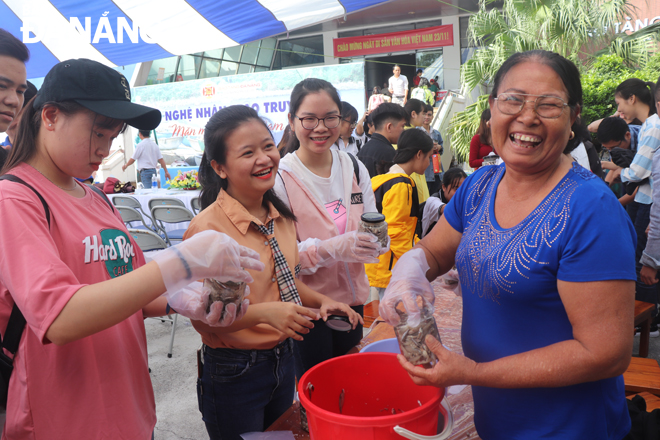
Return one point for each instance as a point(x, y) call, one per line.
point(169, 352)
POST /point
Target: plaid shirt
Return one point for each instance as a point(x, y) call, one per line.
point(285, 279)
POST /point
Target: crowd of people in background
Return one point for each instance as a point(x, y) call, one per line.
point(284, 219)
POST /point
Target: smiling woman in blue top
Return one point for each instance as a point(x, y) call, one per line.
point(547, 323)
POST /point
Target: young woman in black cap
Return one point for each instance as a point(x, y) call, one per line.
point(81, 282)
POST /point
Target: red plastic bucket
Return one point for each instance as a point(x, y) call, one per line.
point(374, 385)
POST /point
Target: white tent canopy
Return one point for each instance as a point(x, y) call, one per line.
point(122, 32)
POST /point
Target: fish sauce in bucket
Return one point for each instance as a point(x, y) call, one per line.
point(365, 396)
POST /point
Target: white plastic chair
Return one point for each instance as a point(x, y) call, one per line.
point(164, 201)
point(171, 214)
point(131, 202)
point(196, 205)
point(147, 240)
point(130, 215)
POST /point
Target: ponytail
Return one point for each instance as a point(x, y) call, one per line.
point(209, 180)
point(291, 145)
point(653, 88)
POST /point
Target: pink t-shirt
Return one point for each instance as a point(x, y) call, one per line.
point(337, 211)
point(96, 387)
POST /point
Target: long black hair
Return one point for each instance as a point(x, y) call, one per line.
point(300, 91)
point(484, 130)
point(217, 130)
point(644, 91)
point(285, 139)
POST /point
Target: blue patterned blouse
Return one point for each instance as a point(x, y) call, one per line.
point(579, 233)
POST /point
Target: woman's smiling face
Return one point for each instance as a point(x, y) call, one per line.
point(321, 138)
point(251, 161)
point(525, 141)
point(625, 107)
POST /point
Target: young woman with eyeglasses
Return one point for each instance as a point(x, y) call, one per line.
point(327, 190)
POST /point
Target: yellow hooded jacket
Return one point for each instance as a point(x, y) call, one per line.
point(396, 199)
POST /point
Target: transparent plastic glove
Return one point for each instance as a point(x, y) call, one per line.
point(351, 247)
point(451, 282)
point(209, 254)
point(407, 283)
point(386, 249)
point(192, 302)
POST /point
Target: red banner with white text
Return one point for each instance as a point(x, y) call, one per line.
point(427, 38)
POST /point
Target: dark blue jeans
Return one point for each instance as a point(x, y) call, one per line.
point(641, 221)
point(245, 390)
point(146, 176)
point(323, 343)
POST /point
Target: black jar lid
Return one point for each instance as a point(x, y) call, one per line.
point(373, 217)
point(339, 323)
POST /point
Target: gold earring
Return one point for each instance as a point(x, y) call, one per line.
point(488, 124)
point(572, 135)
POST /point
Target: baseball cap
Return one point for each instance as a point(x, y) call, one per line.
point(97, 88)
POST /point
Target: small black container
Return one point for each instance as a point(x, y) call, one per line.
point(339, 323)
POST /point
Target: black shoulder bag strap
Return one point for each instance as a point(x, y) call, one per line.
point(102, 194)
point(356, 167)
point(16, 322)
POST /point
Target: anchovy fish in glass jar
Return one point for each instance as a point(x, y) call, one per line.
point(375, 224)
point(412, 338)
point(228, 292)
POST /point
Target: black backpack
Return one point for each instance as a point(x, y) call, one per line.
point(16, 323)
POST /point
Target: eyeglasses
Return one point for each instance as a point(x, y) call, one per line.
point(353, 124)
point(618, 145)
point(311, 122)
point(548, 107)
